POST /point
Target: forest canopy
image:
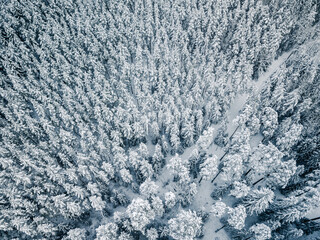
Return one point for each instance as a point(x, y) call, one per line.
point(168, 119)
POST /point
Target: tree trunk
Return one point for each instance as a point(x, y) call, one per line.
point(200, 180)
point(215, 176)
point(258, 181)
point(221, 228)
point(314, 219)
point(224, 155)
point(248, 172)
point(234, 132)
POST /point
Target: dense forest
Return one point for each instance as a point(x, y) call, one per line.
point(167, 119)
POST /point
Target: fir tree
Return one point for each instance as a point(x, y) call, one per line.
point(140, 214)
point(258, 200)
point(185, 220)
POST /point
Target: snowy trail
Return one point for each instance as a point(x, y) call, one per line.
point(203, 199)
point(240, 100)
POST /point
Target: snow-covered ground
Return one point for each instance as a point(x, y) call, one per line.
point(313, 213)
point(203, 198)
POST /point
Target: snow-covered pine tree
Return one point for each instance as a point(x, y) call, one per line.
point(157, 158)
point(140, 214)
point(269, 122)
point(185, 220)
point(260, 231)
point(258, 200)
point(107, 231)
point(209, 168)
point(236, 218)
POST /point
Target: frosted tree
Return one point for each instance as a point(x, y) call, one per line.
point(155, 132)
point(260, 231)
point(138, 133)
point(120, 161)
point(107, 231)
point(170, 200)
point(291, 100)
point(145, 170)
point(125, 236)
point(281, 174)
point(152, 234)
point(258, 200)
point(289, 135)
point(125, 175)
point(108, 169)
point(143, 151)
point(157, 206)
point(232, 168)
point(240, 142)
point(177, 165)
point(218, 209)
point(269, 122)
point(97, 203)
point(244, 116)
point(253, 125)
point(164, 145)
point(189, 191)
point(222, 138)
point(294, 208)
point(239, 190)
point(134, 159)
point(187, 132)
point(193, 161)
point(140, 214)
point(148, 188)
point(293, 233)
point(186, 226)
point(236, 218)
point(264, 160)
point(206, 139)
point(174, 137)
point(278, 95)
point(199, 122)
point(157, 158)
point(209, 168)
point(184, 177)
point(76, 233)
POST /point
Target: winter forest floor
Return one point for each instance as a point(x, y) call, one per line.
point(206, 188)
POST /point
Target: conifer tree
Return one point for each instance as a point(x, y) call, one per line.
point(140, 214)
point(269, 122)
point(170, 199)
point(208, 168)
point(260, 231)
point(157, 158)
point(240, 189)
point(218, 209)
point(185, 220)
point(258, 200)
point(236, 217)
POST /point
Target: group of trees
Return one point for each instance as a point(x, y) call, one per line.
point(287, 110)
point(88, 87)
